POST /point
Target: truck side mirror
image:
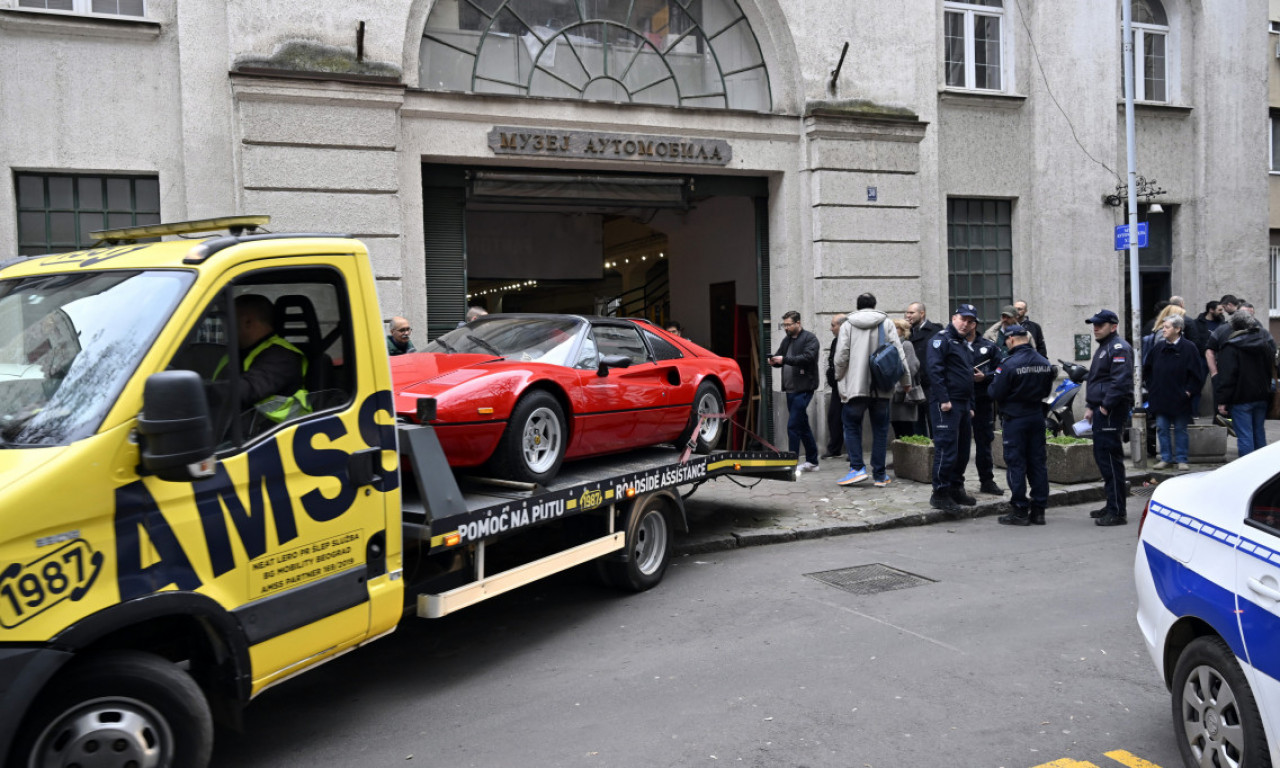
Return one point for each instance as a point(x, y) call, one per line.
point(177, 432)
point(612, 361)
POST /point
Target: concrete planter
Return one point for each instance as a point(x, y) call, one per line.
point(1067, 464)
point(912, 462)
point(1206, 444)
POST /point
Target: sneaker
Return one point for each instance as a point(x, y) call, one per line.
point(1014, 518)
point(962, 498)
point(1184, 466)
point(989, 486)
point(944, 502)
point(1160, 465)
point(1109, 520)
point(807, 466)
point(882, 482)
point(1037, 516)
point(854, 476)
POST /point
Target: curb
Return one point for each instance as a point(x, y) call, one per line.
point(1063, 496)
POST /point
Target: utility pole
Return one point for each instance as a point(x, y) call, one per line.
point(1138, 435)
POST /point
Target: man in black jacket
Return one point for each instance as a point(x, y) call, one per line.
point(922, 329)
point(1020, 385)
point(1032, 327)
point(1246, 365)
point(835, 407)
point(1108, 397)
point(797, 356)
point(951, 376)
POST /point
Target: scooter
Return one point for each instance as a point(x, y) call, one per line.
point(1061, 418)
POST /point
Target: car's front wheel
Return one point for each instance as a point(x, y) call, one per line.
point(1214, 713)
point(534, 443)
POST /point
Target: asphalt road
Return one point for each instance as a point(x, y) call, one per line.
point(1022, 651)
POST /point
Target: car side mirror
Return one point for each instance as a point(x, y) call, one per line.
point(612, 361)
point(177, 432)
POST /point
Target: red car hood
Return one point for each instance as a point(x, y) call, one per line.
point(415, 369)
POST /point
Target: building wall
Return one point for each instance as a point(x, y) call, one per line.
point(345, 153)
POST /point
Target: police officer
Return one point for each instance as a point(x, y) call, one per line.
point(949, 365)
point(1108, 397)
point(986, 356)
point(1020, 385)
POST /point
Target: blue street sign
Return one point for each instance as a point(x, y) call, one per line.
point(1122, 236)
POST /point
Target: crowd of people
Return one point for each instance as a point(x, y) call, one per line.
point(954, 382)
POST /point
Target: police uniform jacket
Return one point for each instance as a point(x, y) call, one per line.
point(1022, 382)
point(986, 358)
point(921, 334)
point(950, 368)
point(1110, 381)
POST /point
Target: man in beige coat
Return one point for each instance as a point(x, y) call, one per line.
point(859, 338)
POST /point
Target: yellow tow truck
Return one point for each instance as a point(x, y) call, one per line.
point(169, 549)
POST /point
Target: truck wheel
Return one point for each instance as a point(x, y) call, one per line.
point(706, 400)
point(648, 548)
point(118, 708)
point(1214, 713)
point(534, 444)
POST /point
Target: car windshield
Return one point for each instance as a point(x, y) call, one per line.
point(544, 339)
point(68, 344)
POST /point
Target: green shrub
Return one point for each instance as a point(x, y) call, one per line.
point(1066, 440)
point(917, 439)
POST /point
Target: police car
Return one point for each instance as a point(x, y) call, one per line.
point(1207, 571)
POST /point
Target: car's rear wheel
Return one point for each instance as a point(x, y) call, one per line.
point(534, 443)
point(1214, 713)
point(707, 400)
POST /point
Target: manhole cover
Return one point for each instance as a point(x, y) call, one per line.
point(869, 579)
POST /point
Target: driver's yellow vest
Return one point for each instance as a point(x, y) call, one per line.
point(277, 408)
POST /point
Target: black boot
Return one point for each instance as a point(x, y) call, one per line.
point(1016, 517)
point(962, 498)
point(1037, 516)
point(1111, 520)
point(989, 486)
point(1099, 513)
point(944, 502)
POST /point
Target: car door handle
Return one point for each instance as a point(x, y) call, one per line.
point(1269, 592)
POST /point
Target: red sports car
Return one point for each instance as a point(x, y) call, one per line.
point(522, 393)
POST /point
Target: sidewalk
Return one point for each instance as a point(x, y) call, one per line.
point(725, 515)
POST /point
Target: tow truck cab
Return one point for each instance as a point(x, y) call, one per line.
point(152, 515)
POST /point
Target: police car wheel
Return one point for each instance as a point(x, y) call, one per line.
point(533, 446)
point(648, 547)
point(706, 400)
point(1214, 712)
point(118, 708)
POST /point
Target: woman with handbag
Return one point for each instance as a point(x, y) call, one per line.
point(903, 406)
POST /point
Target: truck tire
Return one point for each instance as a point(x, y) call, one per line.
point(533, 445)
point(706, 400)
point(1214, 713)
point(135, 707)
point(648, 547)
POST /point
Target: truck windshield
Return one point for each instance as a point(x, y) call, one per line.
point(68, 344)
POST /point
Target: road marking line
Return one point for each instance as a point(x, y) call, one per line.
point(900, 629)
point(1066, 762)
point(1130, 760)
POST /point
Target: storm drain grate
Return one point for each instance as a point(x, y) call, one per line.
point(869, 579)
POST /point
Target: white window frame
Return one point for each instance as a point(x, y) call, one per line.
point(84, 8)
point(1139, 56)
point(970, 11)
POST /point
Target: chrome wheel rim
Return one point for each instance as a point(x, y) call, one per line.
point(709, 431)
point(650, 542)
point(1211, 719)
point(541, 440)
point(106, 732)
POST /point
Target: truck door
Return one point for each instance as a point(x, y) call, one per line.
point(280, 534)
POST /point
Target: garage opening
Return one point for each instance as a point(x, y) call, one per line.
point(670, 248)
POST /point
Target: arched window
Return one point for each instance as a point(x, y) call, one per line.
point(679, 53)
point(1150, 51)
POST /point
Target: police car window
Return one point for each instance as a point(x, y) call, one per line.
point(292, 357)
point(620, 340)
point(1264, 508)
point(662, 349)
